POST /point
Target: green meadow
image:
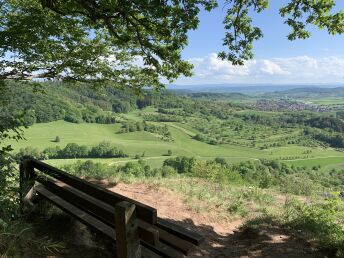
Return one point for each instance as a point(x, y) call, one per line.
point(328, 101)
point(154, 150)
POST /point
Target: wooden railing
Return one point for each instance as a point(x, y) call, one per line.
point(133, 226)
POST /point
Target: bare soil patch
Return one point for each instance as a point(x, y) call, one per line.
point(222, 238)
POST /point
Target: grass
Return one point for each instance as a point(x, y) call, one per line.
point(328, 101)
point(154, 149)
point(338, 161)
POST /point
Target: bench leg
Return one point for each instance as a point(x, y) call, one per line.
point(127, 236)
point(27, 181)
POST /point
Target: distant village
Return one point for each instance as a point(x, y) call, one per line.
point(287, 105)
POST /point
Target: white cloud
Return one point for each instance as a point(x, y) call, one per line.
point(272, 68)
point(299, 69)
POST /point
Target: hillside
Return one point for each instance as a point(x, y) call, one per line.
point(201, 125)
point(273, 167)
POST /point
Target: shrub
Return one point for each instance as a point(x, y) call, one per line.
point(167, 171)
point(106, 150)
point(220, 161)
point(72, 119)
point(298, 184)
point(52, 152)
point(29, 151)
point(238, 208)
point(320, 220)
point(89, 169)
point(181, 164)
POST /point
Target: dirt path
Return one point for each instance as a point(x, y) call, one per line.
point(222, 238)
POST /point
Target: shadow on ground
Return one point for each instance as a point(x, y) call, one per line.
point(263, 241)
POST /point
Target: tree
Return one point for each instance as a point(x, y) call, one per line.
point(73, 150)
point(9, 129)
point(136, 43)
point(57, 139)
point(126, 44)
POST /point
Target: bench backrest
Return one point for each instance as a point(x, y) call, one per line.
point(128, 221)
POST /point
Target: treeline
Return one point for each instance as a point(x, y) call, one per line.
point(260, 173)
point(188, 106)
point(335, 140)
point(130, 126)
point(295, 119)
point(49, 102)
point(332, 123)
point(176, 112)
point(162, 118)
point(72, 151)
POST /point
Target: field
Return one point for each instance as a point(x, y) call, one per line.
point(328, 101)
point(155, 150)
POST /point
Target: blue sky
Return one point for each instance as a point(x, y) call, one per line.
point(319, 59)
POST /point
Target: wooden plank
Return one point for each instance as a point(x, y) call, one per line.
point(148, 233)
point(98, 202)
point(83, 201)
point(160, 249)
point(144, 212)
point(146, 253)
point(180, 231)
point(127, 235)
point(164, 250)
point(96, 208)
point(81, 215)
point(182, 245)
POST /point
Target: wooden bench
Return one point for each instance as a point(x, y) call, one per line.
point(133, 226)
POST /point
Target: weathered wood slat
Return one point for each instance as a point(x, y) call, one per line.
point(148, 232)
point(179, 244)
point(127, 235)
point(82, 200)
point(179, 231)
point(81, 215)
point(136, 224)
point(164, 250)
point(159, 249)
point(96, 208)
point(146, 253)
point(144, 212)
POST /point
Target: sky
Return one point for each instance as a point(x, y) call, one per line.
point(319, 59)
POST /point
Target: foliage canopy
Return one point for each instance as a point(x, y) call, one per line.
point(132, 43)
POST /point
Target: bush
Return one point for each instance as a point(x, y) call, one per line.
point(298, 184)
point(181, 164)
point(220, 161)
point(72, 119)
point(320, 220)
point(167, 171)
point(29, 151)
point(238, 208)
point(89, 169)
point(106, 150)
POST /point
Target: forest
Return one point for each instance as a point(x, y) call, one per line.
point(216, 120)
